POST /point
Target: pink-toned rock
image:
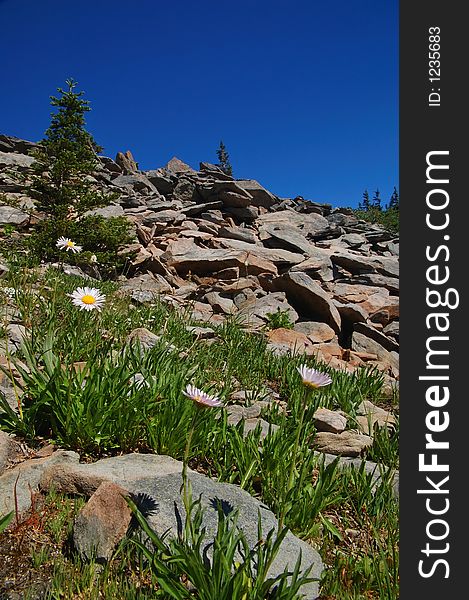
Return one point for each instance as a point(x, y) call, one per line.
point(127, 162)
point(369, 300)
point(185, 256)
point(201, 311)
point(329, 420)
point(219, 303)
point(316, 332)
point(102, 523)
point(308, 297)
point(9, 451)
point(381, 302)
point(326, 350)
point(295, 340)
point(277, 256)
point(362, 343)
point(175, 165)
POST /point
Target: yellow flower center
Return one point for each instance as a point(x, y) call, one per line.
point(70, 244)
point(88, 299)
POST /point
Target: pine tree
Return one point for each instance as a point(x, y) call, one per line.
point(394, 200)
point(224, 159)
point(63, 194)
point(365, 205)
point(66, 155)
point(376, 201)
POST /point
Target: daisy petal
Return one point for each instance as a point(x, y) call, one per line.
point(313, 378)
point(201, 398)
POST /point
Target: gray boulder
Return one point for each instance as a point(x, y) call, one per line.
point(160, 478)
point(21, 162)
point(10, 215)
point(171, 516)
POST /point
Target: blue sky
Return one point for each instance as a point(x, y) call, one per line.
point(303, 93)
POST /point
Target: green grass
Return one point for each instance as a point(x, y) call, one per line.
point(98, 410)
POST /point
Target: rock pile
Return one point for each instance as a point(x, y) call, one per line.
point(223, 247)
point(230, 247)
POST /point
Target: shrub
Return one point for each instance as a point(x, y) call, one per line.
point(279, 318)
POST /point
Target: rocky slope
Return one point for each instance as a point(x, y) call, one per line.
point(220, 247)
point(228, 246)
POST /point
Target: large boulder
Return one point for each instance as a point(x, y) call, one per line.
point(313, 225)
point(280, 235)
point(158, 478)
point(358, 263)
point(136, 182)
point(308, 298)
point(175, 165)
point(21, 162)
point(10, 215)
point(185, 256)
point(260, 196)
point(275, 255)
point(127, 162)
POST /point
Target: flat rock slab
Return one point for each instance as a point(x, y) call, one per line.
point(329, 420)
point(29, 474)
point(296, 341)
point(185, 256)
point(9, 215)
point(347, 443)
point(316, 331)
point(310, 225)
point(356, 263)
point(274, 255)
point(362, 343)
point(20, 161)
point(260, 196)
point(281, 235)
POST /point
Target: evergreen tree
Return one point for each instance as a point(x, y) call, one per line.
point(365, 205)
point(394, 200)
point(376, 201)
point(224, 159)
point(66, 155)
point(63, 194)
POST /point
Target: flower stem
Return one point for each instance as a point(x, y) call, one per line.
point(283, 509)
point(186, 488)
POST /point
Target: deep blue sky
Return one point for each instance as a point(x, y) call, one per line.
point(303, 93)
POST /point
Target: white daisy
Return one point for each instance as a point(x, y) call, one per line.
point(66, 244)
point(201, 398)
point(313, 378)
point(88, 298)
